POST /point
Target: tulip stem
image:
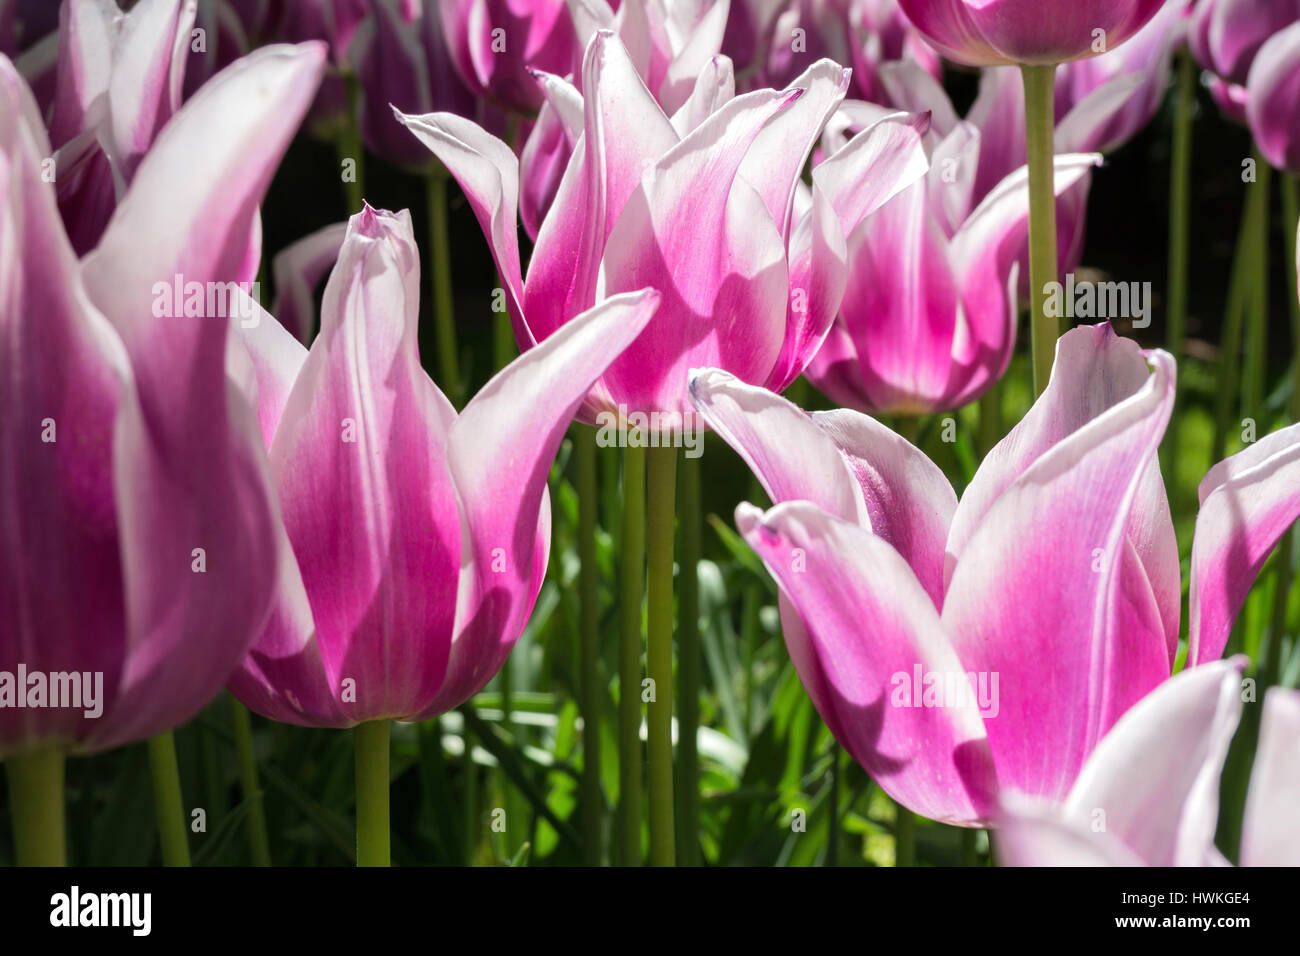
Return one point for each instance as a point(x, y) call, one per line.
point(904, 837)
point(444, 319)
point(660, 510)
point(1040, 127)
point(371, 742)
point(36, 807)
point(259, 845)
point(169, 808)
point(1291, 216)
point(689, 658)
point(990, 428)
point(350, 149)
point(584, 441)
point(969, 842)
point(1180, 202)
point(631, 591)
point(1255, 367)
point(1234, 316)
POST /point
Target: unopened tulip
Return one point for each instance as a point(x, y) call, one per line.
point(1153, 784)
point(698, 205)
point(417, 538)
point(863, 34)
point(137, 511)
point(956, 649)
point(495, 43)
point(1226, 36)
point(1272, 92)
point(1027, 32)
point(895, 351)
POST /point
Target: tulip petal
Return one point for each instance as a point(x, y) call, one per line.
point(1272, 91)
point(1088, 641)
point(1271, 829)
point(63, 379)
point(1154, 778)
point(1247, 503)
point(933, 759)
point(1035, 833)
point(792, 458)
point(501, 447)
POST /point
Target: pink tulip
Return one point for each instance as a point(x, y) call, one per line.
point(298, 270)
point(494, 44)
point(928, 321)
point(1226, 36)
point(1056, 575)
point(1149, 794)
point(136, 509)
point(697, 205)
point(1272, 92)
point(1033, 32)
point(669, 44)
point(119, 81)
point(863, 34)
point(417, 538)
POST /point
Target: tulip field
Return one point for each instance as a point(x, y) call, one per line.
point(727, 433)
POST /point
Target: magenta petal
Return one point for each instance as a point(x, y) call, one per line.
point(787, 452)
point(1247, 503)
point(836, 576)
point(502, 446)
point(1155, 776)
point(1271, 829)
point(360, 462)
point(63, 379)
point(1272, 92)
point(488, 172)
point(908, 497)
point(1049, 591)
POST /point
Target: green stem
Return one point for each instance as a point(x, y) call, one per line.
point(259, 844)
point(1255, 370)
point(371, 742)
point(631, 590)
point(592, 802)
point(833, 821)
point(1040, 127)
point(660, 494)
point(471, 797)
point(969, 856)
point(444, 318)
point(689, 662)
point(1234, 318)
point(350, 148)
point(1290, 216)
point(904, 837)
point(1180, 203)
point(169, 809)
point(36, 807)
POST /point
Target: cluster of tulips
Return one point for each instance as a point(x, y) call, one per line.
point(721, 200)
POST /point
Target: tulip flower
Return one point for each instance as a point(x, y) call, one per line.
point(1272, 91)
point(495, 43)
point(699, 205)
point(1225, 37)
point(417, 538)
point(1149, 794)
point(897, 352)
point(1035, 36)
point(863, 34)
point(1027, 32)
point(960, 648)
point(138, 511)
point(298, 270)
point(119, 81)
